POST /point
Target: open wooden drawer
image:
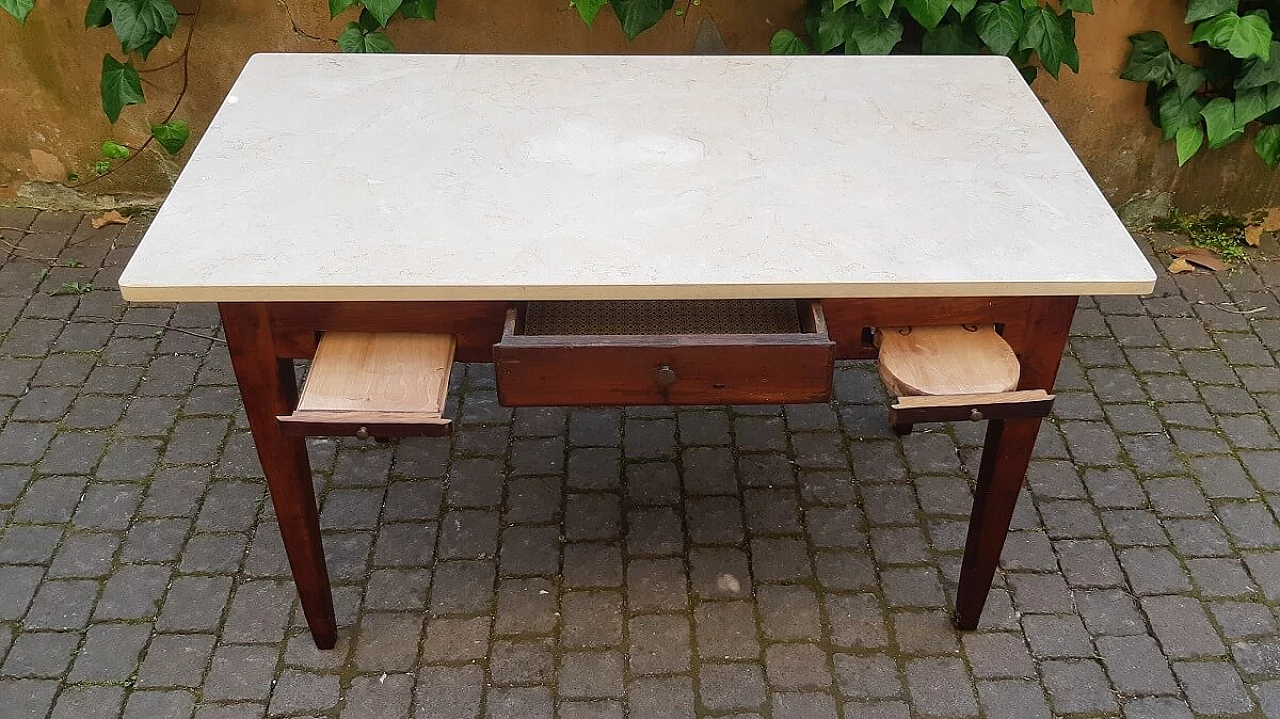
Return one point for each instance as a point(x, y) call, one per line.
point(664, 352)
point(379, 384)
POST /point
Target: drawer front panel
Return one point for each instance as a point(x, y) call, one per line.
point(664, 369)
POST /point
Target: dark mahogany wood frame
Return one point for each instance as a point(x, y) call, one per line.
point(265, 338)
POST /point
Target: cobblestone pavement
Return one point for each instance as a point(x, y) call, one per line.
point(790, 563)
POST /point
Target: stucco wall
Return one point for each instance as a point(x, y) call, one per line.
point(51, 124)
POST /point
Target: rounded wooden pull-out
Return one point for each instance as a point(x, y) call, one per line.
point(946, 359)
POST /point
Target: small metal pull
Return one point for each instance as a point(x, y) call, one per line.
point(362, 433)
point(975, 415)
point(666, 376)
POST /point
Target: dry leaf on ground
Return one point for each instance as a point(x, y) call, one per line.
point(1270, 222)
point(110, 217)
point(1199, 256)
point(1180, 265)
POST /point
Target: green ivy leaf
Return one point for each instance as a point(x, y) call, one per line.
point(999, 25)
point(1188, 79)
point(786, 42)
point(833, 30)
point(337, 6)
point(1070, 55)
point(141, 23)
point(872, 37)
point(354, 39)
point(367, 22)
point(424, 9)
point(1043, 33)
point(351, 39)
point(1189, 140)
point(121, 86)
point(1198, 10)
point(837, 4)
point(114, 150)
point(964, 7)
point(1259, 72)
point(636, 16)
point(1267, 144)
point(927, 12)
point(1243, 37)
point(588, 9)
point(382, 10)
point(885, 7)
point(97, 14)
point(171, 135)
point(19, 9)
point(1220, 122)
point(1256, 102)
point(1149, 60)
point(1084, 6)
point(1177, 111)
point(948, 39)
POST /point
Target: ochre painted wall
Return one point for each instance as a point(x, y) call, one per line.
point(51, 123)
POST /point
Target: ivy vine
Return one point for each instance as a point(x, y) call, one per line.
point(1029, 32)
point(1237, 84)
point(141, 25)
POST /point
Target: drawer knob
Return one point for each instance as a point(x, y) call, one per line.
point(666, 376)
point(362, 433)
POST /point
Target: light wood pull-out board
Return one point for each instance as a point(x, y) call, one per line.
point(944, 360)
point(384, 383)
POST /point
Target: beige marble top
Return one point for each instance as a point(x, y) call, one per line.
point(381, 177)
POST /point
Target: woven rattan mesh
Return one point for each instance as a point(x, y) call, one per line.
point(662, 317)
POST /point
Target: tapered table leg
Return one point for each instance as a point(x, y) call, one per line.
point(1005, 456)
point(1038, 337)
point(269, 389)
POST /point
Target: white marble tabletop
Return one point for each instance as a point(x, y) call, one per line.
point(401, 177)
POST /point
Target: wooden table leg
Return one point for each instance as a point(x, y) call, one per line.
point(1039, 338)
point(269, 388)
point(1005, 456)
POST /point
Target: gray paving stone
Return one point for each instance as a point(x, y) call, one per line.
point(941, 687)
point(1182, 627)
point(1213, 687)
point(194, 604)
point(999, 654)
point(1077, 686)
point(726, 687)
point(589, 619)
point(1012, 699)
point(110, 653)
point(40, 654)
point(63, 604)
point(176, 660)
point(77, 701)
point(388, 642)
point(590, 675)
point(662, 698)
point(528, 606)
point(297, 691)
point(1136, 665)
point(241, 672)
point(159, 705)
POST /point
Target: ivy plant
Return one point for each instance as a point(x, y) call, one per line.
point(1030, 32)
point(139, 25)
point(367, 34)
point(1236, 86)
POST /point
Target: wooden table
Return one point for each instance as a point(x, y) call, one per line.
point(436, 193)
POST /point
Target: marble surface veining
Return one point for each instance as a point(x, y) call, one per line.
point(378, 177)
